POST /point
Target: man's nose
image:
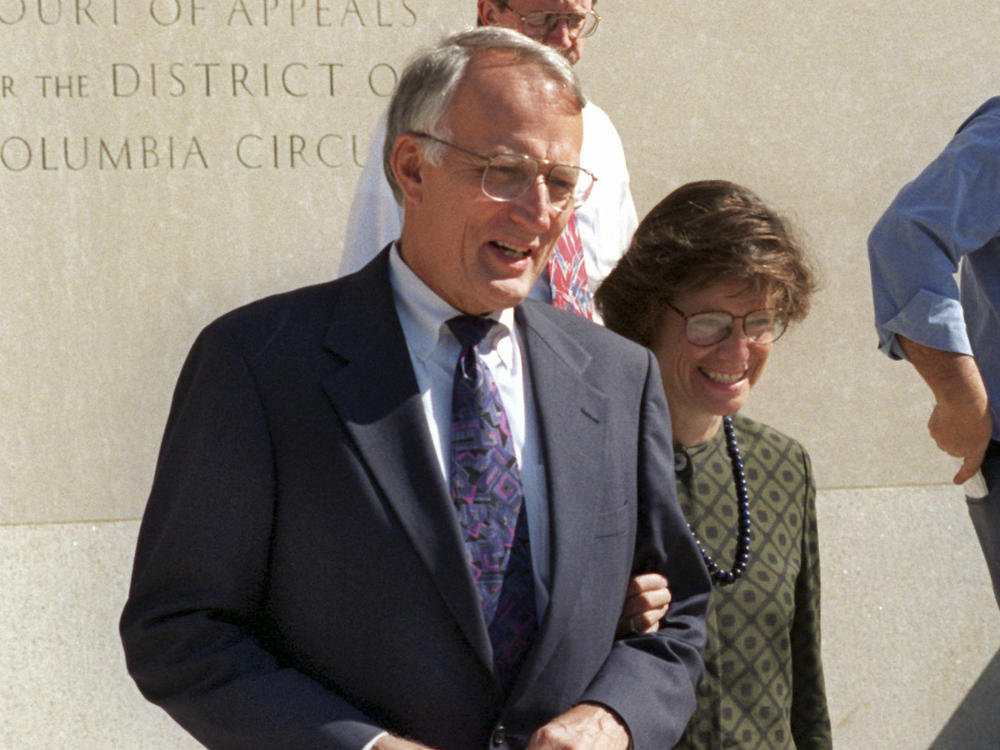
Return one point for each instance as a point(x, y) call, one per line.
point(561, 36)
point(535, 205)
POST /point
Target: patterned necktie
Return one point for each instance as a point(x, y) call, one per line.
point(568, 274)
point(488, 496)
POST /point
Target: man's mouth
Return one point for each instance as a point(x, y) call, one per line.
point(514, 253)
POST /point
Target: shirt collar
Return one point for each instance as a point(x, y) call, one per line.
point(423, 314)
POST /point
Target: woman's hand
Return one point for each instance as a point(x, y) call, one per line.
point(647, 600)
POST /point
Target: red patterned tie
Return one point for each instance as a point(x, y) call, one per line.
point(489, 499)
point(568, 274)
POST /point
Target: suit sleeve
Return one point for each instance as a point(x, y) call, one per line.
point(650, 680)
point(193, 629)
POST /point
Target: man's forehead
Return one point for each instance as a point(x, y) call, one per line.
point(498, 76)
point(498, 105)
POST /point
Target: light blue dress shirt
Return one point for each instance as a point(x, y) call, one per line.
point(944, 222)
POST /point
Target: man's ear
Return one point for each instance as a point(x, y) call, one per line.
point(488, 12)
point(407, 163)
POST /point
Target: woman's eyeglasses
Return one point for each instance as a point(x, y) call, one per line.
point(709, 328)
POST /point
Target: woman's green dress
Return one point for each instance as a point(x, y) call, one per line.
point(763, 684)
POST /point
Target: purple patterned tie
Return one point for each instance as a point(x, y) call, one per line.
point(488, 496)
point(568, 273)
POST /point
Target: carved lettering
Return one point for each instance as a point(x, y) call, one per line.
point(382, 79)
point(173, 12)
point(320, 14)
point(216, 79)
point(190, 81)
point(297, 151)
point(64, 87)
point(55, 12)
point(145, 152)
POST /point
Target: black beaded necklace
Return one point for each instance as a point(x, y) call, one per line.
point(742, 557)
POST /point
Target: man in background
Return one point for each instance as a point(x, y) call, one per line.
point(600, 230)
point(946, 221)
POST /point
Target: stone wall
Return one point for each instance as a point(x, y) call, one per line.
point(162, 161)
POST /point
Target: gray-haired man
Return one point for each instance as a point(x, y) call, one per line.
point(401, 509)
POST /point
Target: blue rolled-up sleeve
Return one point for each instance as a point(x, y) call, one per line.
point(949, 211)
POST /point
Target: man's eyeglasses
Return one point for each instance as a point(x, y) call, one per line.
point(539, 24)
point(506, 177)
point(709, 328)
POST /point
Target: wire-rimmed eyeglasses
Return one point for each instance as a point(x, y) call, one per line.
point(539, 24)
point(709, 328)
point(508, 176)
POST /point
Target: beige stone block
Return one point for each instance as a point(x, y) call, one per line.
point(64, 680)
point(909, 619)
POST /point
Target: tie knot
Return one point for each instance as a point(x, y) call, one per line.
point(470, 329)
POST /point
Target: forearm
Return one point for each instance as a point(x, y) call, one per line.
point(953, 377)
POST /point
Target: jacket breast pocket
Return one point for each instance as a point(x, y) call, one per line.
point(613, 522)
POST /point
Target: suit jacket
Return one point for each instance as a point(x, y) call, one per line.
point(300, 579)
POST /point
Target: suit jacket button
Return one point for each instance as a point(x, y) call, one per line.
point(499, 736)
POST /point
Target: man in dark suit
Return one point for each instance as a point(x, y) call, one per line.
point(311, 571)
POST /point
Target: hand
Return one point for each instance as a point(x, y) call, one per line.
point(647, 600)
point(586, 726)
point(962, 430)
point(960, 422)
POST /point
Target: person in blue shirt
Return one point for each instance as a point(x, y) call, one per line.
point(944, 222)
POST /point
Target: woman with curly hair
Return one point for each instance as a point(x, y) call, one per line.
point(710, 282)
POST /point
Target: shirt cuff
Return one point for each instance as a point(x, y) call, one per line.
point(373, 740)
point(929, 319)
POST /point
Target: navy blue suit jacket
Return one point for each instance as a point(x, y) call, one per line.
point(300, 579)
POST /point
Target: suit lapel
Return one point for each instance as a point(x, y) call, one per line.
point(571, 416)
point(374, 390)
point(372, 386)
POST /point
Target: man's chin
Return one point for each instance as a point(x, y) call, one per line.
point(508, 293)
point(572, 56)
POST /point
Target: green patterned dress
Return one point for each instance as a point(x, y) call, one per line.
point(763, 684)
